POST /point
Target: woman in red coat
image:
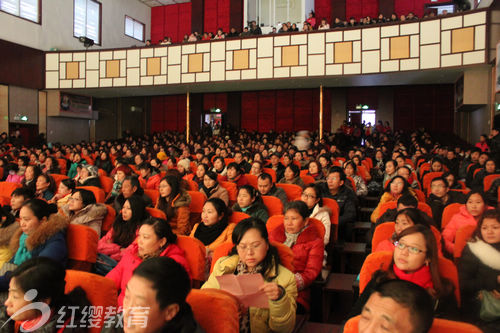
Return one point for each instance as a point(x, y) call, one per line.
point(307, 246)
point(155, 239)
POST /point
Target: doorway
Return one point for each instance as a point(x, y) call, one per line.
point(361, 116)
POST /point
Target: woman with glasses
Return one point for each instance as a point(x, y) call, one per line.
point(253, 254)
point(415, 259)
point(307, 247)
point(313, 198)
point(82, 208)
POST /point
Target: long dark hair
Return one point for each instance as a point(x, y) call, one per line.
point(165, 203)
point(40, 208)
point(88, 197)
point(272, 259)
point(406, 186)
point(162, 230)
point(124, 232)
point(488, 214)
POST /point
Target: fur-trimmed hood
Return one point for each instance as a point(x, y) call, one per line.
point(181, 200)
point(55, 224)
point(486, 253)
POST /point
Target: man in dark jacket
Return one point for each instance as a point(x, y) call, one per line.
point(405, 201)
point(277, 166)
point(440, 197)
point(242, 163)
point(494, 144)
point(346, 199)
point(265, 186)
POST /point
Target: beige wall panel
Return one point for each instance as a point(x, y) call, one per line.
point(462, 40)
point(389, 31)
point(265, 47)
point(147, 52)
point(476, 57)
point(123, 68)
point(229, 60)
point(316, 65)
point(117, 82)
point(480, 37)
point(218, 51)
point(188, 78)
point(162, 51)
point(249, 43)
point(66, 56)
point(202, 77)
point(206, 62)
point(400, 47)
point(370, 62)
point(93, 60)
point(290, 55)
point(352, 68)
point(384, 48)
point(249, 74)
point(409, 29)
point(121, 54)
point(188, 49)
point(161, 80)
point(451, 23)
point(106, 55)
point(62, 70)
point(81, 66)
point(163, 65)
point(174, 74)
point(351, 35)
point(147, 81)
point(334, 36)
point(298, 39)
point(174, 55)
point(316, 43)
point(102, 69)
point(343, 52)
point(334, 69)
point(65, 84)
point(451, 60)
point(240, 59)
point(52, 80)
point(79, 83)
point(253, 58)
point(371, 39)
point(233, 75)
point(389, 66)
point(474, 19)
point(79, 56)
point(265, 68)
point(154, 66)
point(132, 76)
point(144, 66)
point(277, 56)
point(202, 47)
point(429, 32)
point(195, 63)
point(218, 71)
point(429, 56)
point(414, 46)
point(302, 55)
point(356, 51)
point(409, 64)
point(92, 79)
point(298, 71)
point(446, 42)
point(282, 72)
point(4, 108)
point(233, 45)
point(103, 83)
point(329, 53)
point(282, 40)
point(52, 61)
point(112, 68)
point(72, 70)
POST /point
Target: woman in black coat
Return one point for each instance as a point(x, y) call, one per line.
point(479, 268)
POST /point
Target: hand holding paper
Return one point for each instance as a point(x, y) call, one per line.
point(246, 288)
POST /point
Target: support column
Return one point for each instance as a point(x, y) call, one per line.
point(4, 109)
point(321, 112)
point(187, 117)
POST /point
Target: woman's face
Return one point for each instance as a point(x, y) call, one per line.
point(28, 221)
point(103, 156)
point(29, 174)
point(42, 184)
point(349, 171)
point(397, 186)
point(252, 248)
point(313, 168)
point(309, 197)
point(400, 161)
point(16, 201)
point(141, 302)
point(402, 222)
point(200, 172)
point(75, 202)
point(154, 164)
point(450, 179)
point(257, 158)
point(389, 168)
point(148, 241)
point(208, 182)
point(289, 174)
point(256, 170)
point(17, 300)
point(436, 166)
point(48, 163)
point(490, 167)
point(165, 189)
point(294, 222)
point(120, 175)
point(84, 173)
point(413, 256)
point(244, 198)
point(323, 161)
point(63, 190)
point(475, 205)
point(126, 211)
point(209, 215)
point(490, 231)
point(218, 164)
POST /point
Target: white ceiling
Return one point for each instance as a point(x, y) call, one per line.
point(155, 3)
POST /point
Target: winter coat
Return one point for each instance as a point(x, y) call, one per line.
point(224, 237)
point(323, 214)
point(240, 181)
point(459, 220)
point(280, 316)
point(279, 193)
point(91, 181)
point(295, 181)
point(347, 201)
point(220, 192)
point(308, 252)
point(72, 172)
point(387, 197)
point(7, 233)
point(107, 247)
point(153, 182)
point(361, 189)
point(180, 222)
point(122, 273)
point(478, 269)
point(14, 178)
point(437, 206)
point(256, 209)
point(90, 216)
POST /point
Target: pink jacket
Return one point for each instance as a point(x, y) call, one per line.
point(122, 273)
point(14, 178)
point(107, 247)
point(459, 220)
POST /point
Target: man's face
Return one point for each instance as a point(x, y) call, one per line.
point(264, 186)
point(333, 181)
point(383, 314)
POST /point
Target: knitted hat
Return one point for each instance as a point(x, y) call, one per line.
point(92, 169)
point(161, 156)
point(185, 163)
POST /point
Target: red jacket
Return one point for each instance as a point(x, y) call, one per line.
point(122, 273)
point(308, 254)
point(153, 182)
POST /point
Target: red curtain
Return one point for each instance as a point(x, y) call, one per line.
point(168, 113)
point(217, 14)
point(218, 100)
point(173, 21)
point(323, 10)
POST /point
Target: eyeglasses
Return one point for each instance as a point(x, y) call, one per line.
point(245, 248)
point(411, 249)
point(74, 199)
point(308, 196)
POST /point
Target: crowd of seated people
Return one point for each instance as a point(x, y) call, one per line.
point(262, 196)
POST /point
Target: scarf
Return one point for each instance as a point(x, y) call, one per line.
point(209, 190)
point(22, 253)
point(291, 239)
point(208, 234)
point(421, 277)
point(242, 269)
